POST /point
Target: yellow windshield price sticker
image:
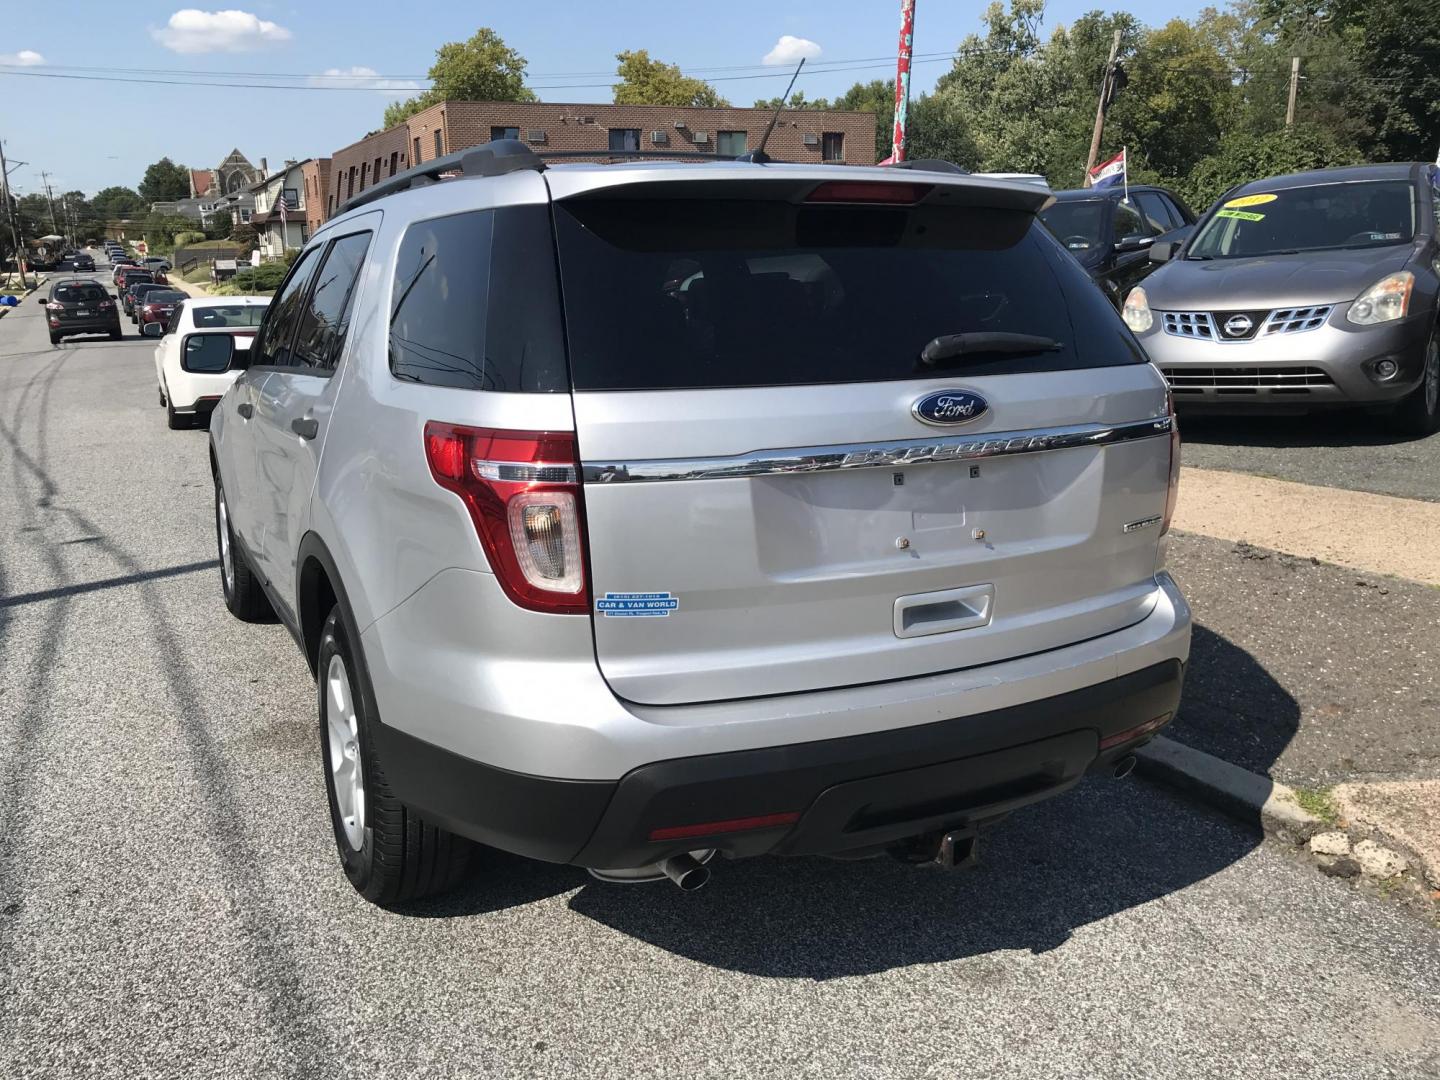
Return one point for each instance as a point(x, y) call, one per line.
point(1251, 200)
point(1242, 215)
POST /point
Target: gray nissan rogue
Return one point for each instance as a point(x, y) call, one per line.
point(632, 513)
point(1305, 291)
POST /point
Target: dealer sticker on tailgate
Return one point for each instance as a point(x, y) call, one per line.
point(637, 604)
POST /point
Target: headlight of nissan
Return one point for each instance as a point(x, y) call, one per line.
point(1386, 300)
point(1136, 311)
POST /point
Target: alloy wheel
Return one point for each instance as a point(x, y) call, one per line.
point(343, 731)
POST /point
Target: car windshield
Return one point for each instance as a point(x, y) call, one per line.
point(1370, 213)
point(79, 294)
point(1076, 224)
point(229, 315)
point(163, 296)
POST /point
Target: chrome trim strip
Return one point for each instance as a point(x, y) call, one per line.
point(813, 459)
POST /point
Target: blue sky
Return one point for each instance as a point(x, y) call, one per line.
point(92, 134)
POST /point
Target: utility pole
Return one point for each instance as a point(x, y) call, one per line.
point(1294, 88)
point(50, 197)
point(1105, 96)
point(10, 213)
point(902, 79)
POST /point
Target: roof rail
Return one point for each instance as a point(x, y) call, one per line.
point(926, 165)
point(494, 158)
point(628, 155)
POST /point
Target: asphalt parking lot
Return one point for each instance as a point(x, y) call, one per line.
point(1352, 450)
point(170, 903)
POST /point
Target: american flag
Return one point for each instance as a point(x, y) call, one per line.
point(280, 206)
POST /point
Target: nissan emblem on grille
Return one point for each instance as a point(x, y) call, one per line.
point(1238, 325)
point(946, 407)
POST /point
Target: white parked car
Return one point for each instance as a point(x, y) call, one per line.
point(195, 361)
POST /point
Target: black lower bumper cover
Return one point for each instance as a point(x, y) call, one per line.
point(852, 794)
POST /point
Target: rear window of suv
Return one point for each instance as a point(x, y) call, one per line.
point(79, 294)
point(686, 293)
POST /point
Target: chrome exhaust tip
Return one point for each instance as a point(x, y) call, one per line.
point(1124, 767)
point(686, 871)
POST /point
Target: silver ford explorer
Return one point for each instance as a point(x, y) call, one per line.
point(628, 514)
point(1305, 291)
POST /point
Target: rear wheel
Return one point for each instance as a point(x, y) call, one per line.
point(244, 597)
point(115, 332)
point(173, 420)
point(1419, 413)
point(389, 853)
point(54, 339)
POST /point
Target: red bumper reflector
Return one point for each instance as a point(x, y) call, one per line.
point(715, 828)
point(1130, 734)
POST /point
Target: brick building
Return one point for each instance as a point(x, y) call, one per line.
point(316, 175)
point(801, 135)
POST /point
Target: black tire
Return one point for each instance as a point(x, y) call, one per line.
point(244, 596)
point(173, 420)
point(162, 398)
point(116, 333)
point(1419, 413)
point(54, 339)
point(401, 857)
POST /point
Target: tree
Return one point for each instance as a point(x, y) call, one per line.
point(165, 182)
point(797, 101)
point(652, 82)
point(1241, 157)
point(114, 203)
point(877, 96)
point(220, 225)
point(245, 236)
point(483, 68)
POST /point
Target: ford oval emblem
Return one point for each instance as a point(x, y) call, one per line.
point(946, 407)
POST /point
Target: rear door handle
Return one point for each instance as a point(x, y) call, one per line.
point(307, 427)
point(245, 409)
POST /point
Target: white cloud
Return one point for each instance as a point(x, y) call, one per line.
point(790, 50)
point(365, 78)
point(191, 30)
point(23, 58)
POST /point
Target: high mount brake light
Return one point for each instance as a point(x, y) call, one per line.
point(869, 191)
point(522, 489)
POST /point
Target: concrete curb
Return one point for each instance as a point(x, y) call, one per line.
point(1244, 795)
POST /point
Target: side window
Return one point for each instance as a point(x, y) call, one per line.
point(1155, 212)
point(1177, 215)
point(455, 321)
point(325, 316)
point(175, 317)
point(272, 346)
point(1127, 222)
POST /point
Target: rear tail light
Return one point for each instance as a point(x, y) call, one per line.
point(869, 191)
point(53, 306)
point(1172, 492)
point(522, 489)
point(106, 305)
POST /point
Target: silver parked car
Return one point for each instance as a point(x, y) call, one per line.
point(630, 513)
point(1305, 291)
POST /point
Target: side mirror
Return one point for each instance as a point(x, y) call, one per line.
point(208, 354)
point(1133, 243)
point(1162, 251)
point(153, 329)
point(41, 300)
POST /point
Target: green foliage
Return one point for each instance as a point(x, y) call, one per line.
point(165, 181)
point(653, 82)
point(220, 225)
point(483, 68)
point(263, 278)
point(244, 237)
point(117, 203)
point(1242, 157)
point(182, 238)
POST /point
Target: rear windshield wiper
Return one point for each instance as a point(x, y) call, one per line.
point(992, 343)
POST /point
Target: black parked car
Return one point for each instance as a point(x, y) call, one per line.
point(1110, 234)
point(135, 288)
point(78, 306)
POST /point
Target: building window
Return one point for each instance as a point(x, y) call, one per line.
point(394, 161)
point(624, 139)
point(364, 174)
point(730, 143)
point(375, 172)
point(439, 143)
point(350, 188)
point(832, 146)
point(504, 133)
point(304, 235)
point(416, 158)
point(245, 217)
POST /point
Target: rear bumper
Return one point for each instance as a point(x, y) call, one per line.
point(87, 326)
point(834, 796)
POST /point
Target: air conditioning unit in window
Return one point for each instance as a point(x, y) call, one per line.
point(702, 137)
point(659, 138)
point(812, 140)
point(535, 136)
point(679, 125)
